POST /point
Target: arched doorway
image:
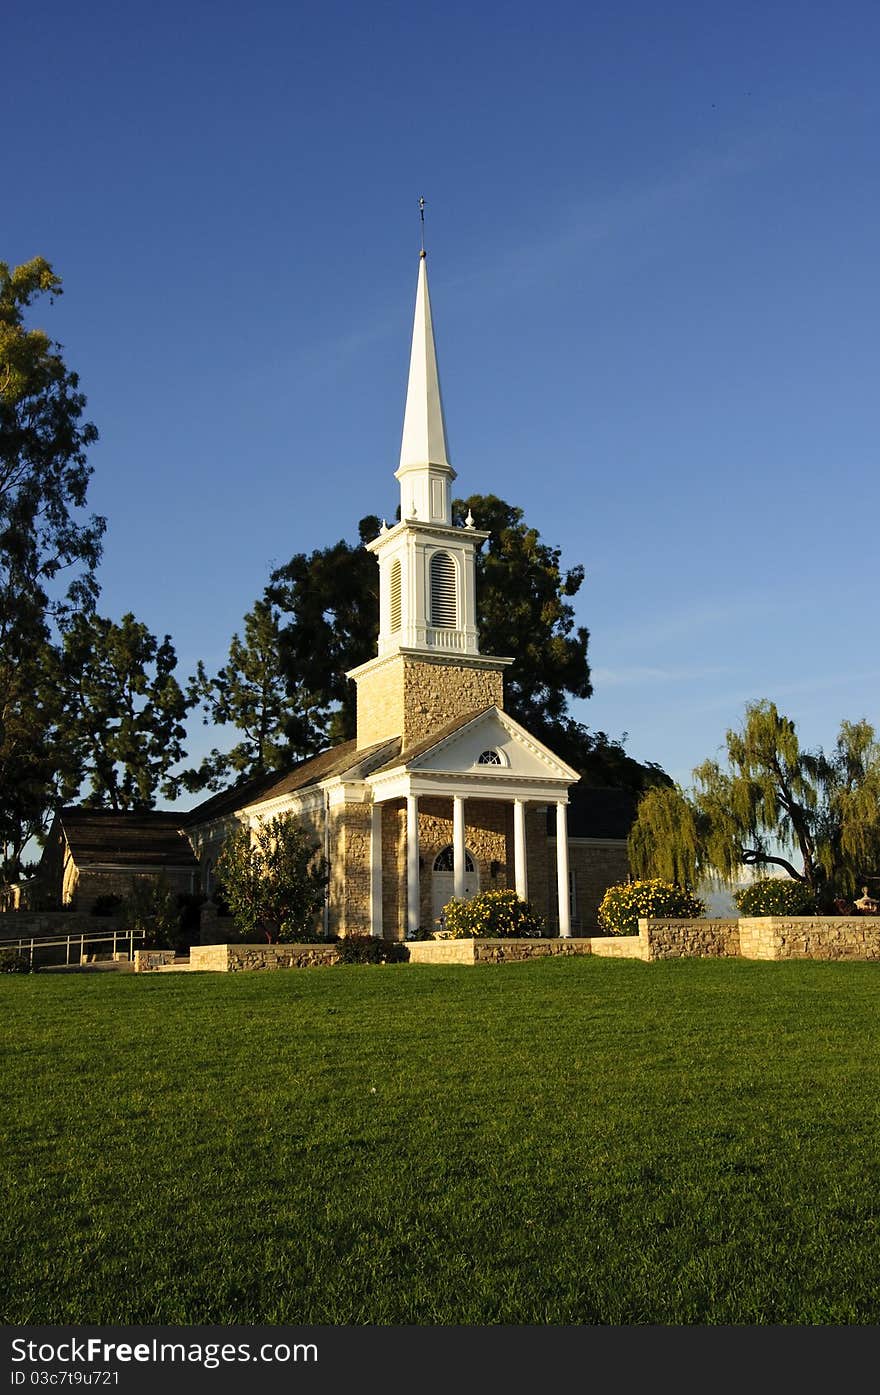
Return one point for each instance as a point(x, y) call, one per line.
point(443, 879)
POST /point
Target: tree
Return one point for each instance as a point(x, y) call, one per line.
point(249, 693)
point(273, 880)
point(772, 802)
point(44, 542)
point(152, 906)
point(123, 710)
point(38, 770)
point(44, 474)
point(329, 601)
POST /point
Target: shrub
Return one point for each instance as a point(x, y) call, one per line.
point(775, 896)
point(12, 961)
point(106, 904)
point(369, 949)
point(492, 915)
point(625, 904)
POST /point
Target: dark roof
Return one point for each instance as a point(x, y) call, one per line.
point(227, 801)
point(143, 838)
point(344, 759)
point(597, 813)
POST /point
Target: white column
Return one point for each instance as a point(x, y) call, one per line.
point(458, 846)
point(562, 869)
point(376, 871)
point(520, 870)
point(413, 896)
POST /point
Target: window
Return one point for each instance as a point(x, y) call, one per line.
point(489, 758)
point(396, 589)
point(445, 861)
point(444, 611)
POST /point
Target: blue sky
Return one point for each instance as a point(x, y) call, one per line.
point(652, 233)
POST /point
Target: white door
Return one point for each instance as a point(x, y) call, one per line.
point(443, 881)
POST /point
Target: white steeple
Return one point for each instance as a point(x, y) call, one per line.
point(425, 473)
point(427, 575)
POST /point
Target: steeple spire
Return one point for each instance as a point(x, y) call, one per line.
point(423, 448)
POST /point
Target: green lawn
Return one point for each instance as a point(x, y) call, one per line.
point(567, 1141)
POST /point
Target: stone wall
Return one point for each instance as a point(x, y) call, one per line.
point(414, 698)
point(689, 939)
point(810, 937)
point(619, 947)
point(471, 951)
point(240, 958)
point(89, 883)
point(596, 864)
point(350, 870)
point(51, 925)
point(147, 961)
point(488, 838)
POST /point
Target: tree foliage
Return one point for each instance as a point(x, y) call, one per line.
point(48, 554)
point(272, 880)
point(44, 473)
point(249, 694)
point(329, 617)
point(329, 603)
point(124, 710)
point(771, 802)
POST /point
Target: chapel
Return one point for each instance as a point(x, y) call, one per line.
point(441, 793)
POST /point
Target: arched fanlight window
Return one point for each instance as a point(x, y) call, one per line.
point(444, 611)
point(445, 860)
point(489, 758)
point(396, 591)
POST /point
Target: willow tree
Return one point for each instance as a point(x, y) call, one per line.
point(815, 816)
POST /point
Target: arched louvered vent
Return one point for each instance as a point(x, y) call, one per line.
point(444, 612)
point(395, 596)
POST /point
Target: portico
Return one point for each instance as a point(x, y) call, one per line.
point(484, 758)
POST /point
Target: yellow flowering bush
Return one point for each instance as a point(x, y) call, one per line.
point(625, 904)
point(491, 915)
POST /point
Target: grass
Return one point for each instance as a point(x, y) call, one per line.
point(565, 1142)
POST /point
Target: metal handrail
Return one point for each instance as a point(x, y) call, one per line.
point(37, 941)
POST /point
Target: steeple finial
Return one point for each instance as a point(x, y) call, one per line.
point(423, 253)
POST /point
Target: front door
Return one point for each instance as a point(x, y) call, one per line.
point(443, 880)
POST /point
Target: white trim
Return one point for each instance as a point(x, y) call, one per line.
point(520, 862)
point(562, 878)
point(413, 890)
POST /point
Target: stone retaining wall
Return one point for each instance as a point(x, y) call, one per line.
point(471, 951)
point(688, 939)
point(810, 937)
point(147, 961)
point(231, 959)
point(54, 925)
point(619, 947)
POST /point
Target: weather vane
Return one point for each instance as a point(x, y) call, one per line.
point(422, 223)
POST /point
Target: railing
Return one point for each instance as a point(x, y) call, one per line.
point(30, 943)
point(444, 638)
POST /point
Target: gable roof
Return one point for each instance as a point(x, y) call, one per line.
point(138, 838)
point(336, 761)
point(457, 746)
point(344, 759)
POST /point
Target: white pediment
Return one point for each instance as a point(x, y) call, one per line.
point(472, 751)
